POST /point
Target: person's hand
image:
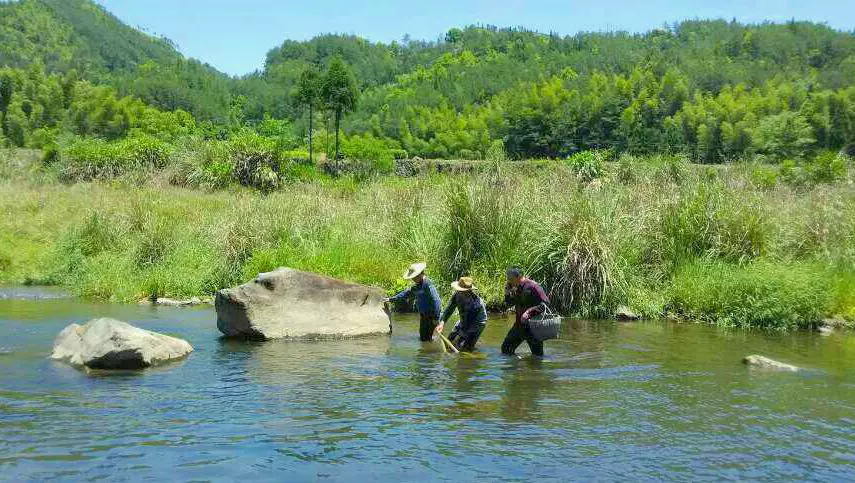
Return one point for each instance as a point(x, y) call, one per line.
point(440, 327)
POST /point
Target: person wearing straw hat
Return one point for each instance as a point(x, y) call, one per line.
point(473, 315)
point(427, 300)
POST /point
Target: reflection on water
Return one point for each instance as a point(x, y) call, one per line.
point(611, 401)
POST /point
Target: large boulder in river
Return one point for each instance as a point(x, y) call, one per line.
point(288, 303)
point(112, 344)
point(761, 362)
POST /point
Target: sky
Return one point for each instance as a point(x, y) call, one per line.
point(234, 36)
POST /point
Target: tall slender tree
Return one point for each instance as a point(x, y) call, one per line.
point(339, 93)
point(308, 94)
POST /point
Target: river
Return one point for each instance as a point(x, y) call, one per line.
point(612, 401)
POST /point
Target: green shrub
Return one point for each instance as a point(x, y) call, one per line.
point(588, 165)
point(763, 177)
point(86, 159)
point(254, 160)
point(783, 136)
point(373, 154)
point(398, 153)
point(826, 167)
point(763, 294)
point(791, 173)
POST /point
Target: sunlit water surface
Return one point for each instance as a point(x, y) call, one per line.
point(610, 402)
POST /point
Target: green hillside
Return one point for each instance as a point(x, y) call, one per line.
point(80, 36)
point(714, 90)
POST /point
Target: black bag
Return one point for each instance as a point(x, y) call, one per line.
point(545, 326)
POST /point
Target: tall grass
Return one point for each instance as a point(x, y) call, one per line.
point(655, 234)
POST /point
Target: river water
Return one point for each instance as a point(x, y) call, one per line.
point(611, 401)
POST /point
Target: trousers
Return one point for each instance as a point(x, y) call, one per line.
point(516, 336)
point(427, 324)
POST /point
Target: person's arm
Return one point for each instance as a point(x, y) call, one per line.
point(449, 309)
point(540, 307)
point(401, 295)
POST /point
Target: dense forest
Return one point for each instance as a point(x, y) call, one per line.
point(714, 90)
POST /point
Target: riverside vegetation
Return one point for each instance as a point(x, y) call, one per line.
point(701, 170)
point(740, 245)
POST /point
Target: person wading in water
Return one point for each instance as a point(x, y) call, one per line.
point(473, 315)
point(528, 300)
point(427, 301)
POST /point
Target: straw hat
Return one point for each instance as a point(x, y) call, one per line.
point(465, 284)
point(415, 270)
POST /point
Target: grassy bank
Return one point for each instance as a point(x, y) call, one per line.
point(744, 245)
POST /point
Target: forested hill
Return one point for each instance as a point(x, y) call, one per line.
point(697, 86)
point(713, 89)
point(80, 37)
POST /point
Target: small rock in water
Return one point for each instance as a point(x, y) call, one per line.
point(625, 315)
point(825, 330)
point(834, 323)
point(112, 344)
point(762, 362)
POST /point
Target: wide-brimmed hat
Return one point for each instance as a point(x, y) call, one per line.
point(465, 284)
point(415, 270)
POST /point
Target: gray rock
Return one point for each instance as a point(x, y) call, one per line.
point(168, 302)
point(290, 304)
point(112, 344)
point(834, 323)
point(761, 362)
point(625, 315)
point(825, 330)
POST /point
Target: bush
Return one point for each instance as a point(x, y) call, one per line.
point(791, 173)
point(827, 167)
point(86, 159)
point(588, 165)
point(255, 160)
point(763, 177)
point(375, 155)
point(398, 153)
point(783, 136)
point(764, 295)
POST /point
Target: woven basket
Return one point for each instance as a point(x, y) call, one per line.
point(545, 326)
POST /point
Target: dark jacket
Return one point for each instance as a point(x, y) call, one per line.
point(427, 298)
point(528, 299)
point(471, 307)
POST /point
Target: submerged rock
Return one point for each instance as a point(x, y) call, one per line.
point(761, 362)
point(288, 303)
point(168, 302)
point(625, 315)
point(113, 344)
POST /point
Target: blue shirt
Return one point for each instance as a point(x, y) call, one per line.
point(471, 307)
point(427, 298)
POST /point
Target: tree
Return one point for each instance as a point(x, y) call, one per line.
point(784, 136)
point(308, 94)
point(339, 92)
